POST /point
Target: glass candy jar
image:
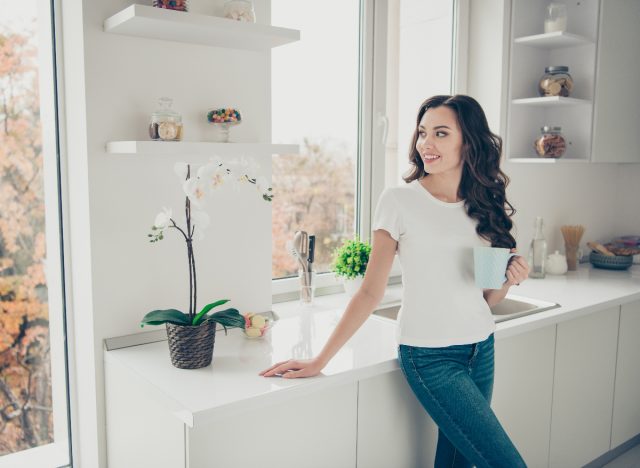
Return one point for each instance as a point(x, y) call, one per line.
point(550, 143)
point(240, 10)
point(177, 5)
point(166, 123)
point(555, 18)
point(556, 81)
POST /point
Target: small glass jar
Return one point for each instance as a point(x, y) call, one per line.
point(307, 286)
point(166, 123)
point(550, 143)
point(240, 10)
point(177, 5)
point(556, 81)
point(555, 18)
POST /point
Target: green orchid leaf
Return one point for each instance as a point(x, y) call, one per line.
point(227, 318)
point(198, 318)
point(158, 317)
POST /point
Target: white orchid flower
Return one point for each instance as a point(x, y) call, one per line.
point(163, 219)
point(181, 169)
point(212, 175)
point(196, 190)
point(200, 221)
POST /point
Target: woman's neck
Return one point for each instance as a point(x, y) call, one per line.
point(444, 186)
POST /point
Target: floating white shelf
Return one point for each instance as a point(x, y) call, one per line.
point(553, 40)
point(197, 148)
point(158, 23)
point(551, 101)
point(535, 159)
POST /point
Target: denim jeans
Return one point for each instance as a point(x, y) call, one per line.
point(454, 384)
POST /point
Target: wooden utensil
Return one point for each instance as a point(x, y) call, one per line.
point(572, 236)
point(600, 248)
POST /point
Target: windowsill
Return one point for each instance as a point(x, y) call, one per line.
point(333, 297)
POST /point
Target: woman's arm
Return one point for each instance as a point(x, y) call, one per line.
point(517, 272)
point(360, 307)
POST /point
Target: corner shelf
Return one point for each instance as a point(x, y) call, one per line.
point(158, 23)
point(538, 160)
point(197, 148)
point(553, 40)
point(551, 101)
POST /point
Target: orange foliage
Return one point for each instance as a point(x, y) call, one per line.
point(25, 383)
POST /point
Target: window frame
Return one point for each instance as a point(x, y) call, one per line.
point(58, 452)
point(370, 179)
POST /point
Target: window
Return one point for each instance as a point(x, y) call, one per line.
point(33, 390)
point(315, 104)
point(348, 93)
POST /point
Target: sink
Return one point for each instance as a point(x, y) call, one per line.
point(510, 307)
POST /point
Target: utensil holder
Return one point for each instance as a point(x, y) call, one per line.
point(307, 286)
point(573, 255)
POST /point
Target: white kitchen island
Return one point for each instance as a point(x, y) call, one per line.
point(568, 362)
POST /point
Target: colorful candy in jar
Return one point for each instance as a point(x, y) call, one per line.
point(224, 115)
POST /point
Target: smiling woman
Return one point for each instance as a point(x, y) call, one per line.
point(33, 391)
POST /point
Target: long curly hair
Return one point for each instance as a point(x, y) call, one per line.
point(483, 184)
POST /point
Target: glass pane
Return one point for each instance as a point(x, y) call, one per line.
point(28, 406)
point(419, 65)
point(315, 104)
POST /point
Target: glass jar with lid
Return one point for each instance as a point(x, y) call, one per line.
point(239, 10)
point(556, 81)
point(555, 19)
point(176, 5)
point(550, 143)
point(166, 123)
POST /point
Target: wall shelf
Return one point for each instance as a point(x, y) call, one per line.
point(553, 40)
point(551, 101)
point(158, 23)
point(538, 160)
point(197, 148)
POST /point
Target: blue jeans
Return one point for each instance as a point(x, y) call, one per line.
point(454, 384)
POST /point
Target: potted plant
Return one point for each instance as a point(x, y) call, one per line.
point(191, 334)
point(350, 263)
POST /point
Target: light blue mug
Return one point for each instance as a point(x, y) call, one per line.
point(490, 266)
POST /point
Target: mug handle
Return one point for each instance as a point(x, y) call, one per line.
point(509, 258)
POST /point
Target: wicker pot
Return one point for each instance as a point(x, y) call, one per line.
point(191, 347)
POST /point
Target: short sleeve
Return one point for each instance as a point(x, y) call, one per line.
point(387, 215)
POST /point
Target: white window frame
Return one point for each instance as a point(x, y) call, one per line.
point(56, 453)
point(370, 181)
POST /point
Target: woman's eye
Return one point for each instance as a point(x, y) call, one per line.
point(441, 134)
point(422, 134)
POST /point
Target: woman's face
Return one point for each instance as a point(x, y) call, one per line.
point(440, 141)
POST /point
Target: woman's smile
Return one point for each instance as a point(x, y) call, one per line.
point(430, 158)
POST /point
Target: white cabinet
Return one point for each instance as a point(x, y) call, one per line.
point(315, 431)
point(626, 402)
point(583, 388)
point(393, 427)
point(522, 391)
point(531, 50)
point(617, 116)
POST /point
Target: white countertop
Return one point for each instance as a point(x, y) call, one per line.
point(232, 384)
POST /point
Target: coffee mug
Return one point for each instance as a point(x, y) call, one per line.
point(490, 265)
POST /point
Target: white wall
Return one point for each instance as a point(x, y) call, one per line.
point(119, 275)
point(601, 197)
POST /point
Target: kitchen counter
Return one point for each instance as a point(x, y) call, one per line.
point(232, 384)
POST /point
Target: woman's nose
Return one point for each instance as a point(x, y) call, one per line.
point(426, 143)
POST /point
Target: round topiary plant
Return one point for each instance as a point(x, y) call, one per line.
point(351, 258)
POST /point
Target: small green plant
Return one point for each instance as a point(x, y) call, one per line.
point(351, 258)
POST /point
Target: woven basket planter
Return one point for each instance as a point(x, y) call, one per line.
point(191, 347)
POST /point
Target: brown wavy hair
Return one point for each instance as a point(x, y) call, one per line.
point(483, 184)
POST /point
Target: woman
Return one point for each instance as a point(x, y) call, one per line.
point(454, 200)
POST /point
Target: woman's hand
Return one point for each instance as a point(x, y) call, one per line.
point(517, 271)
point(294, 368)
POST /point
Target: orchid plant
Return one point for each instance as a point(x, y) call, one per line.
point(197, 188)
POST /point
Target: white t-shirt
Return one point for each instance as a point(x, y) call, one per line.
point(441, 305)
